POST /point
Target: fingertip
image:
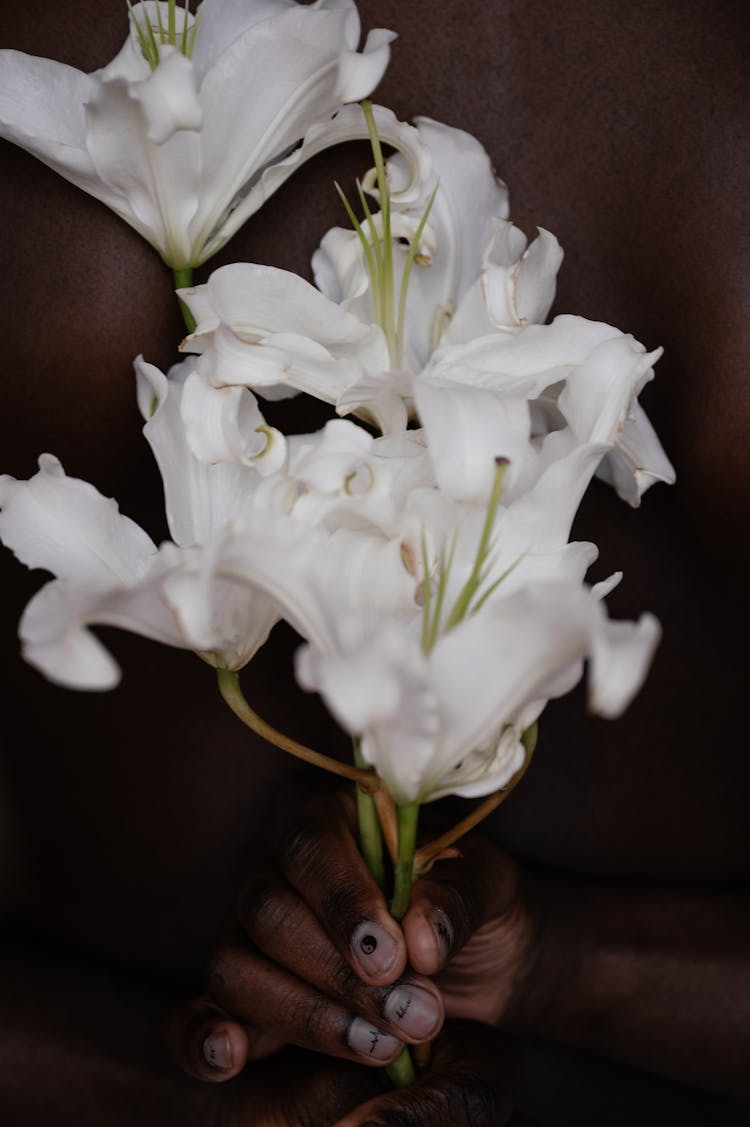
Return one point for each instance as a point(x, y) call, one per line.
point(429, 937)
point(222, 1050)
point(205, 1043)
point(379, 951)
point(372, 1045)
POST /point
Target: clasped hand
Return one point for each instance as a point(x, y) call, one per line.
point(313, 959)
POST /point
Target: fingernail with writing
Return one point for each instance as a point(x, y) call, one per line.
point(414, 1011)
point(443, 929)
point(373, 948)
point(370, 1042)
point(218, 1051)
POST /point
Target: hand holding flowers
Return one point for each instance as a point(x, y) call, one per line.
point(470, 925)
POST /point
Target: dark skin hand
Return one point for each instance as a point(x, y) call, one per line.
point(316, 912)
point(125, 817)
point(471, 1082)
point(114, 1072)
point(637, 973)
point(312, 957)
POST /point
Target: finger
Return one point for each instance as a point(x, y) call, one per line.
point(471, 1083)
point(320, 858)
point(206, 1043)
point(281, 926)
point(259, 993)
point(457, 898)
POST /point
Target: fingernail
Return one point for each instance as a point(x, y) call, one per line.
point(443, 929)
point(370, 1042)
point(218, 1051)
point(373, 948)
point(413, 1010)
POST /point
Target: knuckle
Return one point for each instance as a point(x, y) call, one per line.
point(298, 849)
point(314, 1026)
point(310, 1020)
point(260, 907)
point(341, 979)
point(341, 902)
point(221, 975)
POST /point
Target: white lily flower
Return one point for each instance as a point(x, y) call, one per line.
point(449, 722)
point(446, 718)
point(109, 571)
point(473, 271)
point(334, 346)
point(467, 273)
point(188, 130)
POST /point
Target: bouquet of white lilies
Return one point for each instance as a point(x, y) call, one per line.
point(420, 541)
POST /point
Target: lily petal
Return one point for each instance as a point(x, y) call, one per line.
point(42, 110)
point(54, 626)
point(621, 657)
point(154, 187)
point(226, 425)
point(491, 665)
point(169, 97)
point(274, 329)
point(67, 527)
point(638, 460)
point(519, 282)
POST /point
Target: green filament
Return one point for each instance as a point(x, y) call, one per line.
point(474, 593)
point(151, 37)
point(389, 308)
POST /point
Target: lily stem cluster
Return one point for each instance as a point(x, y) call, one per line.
point(401, 1073)
point(378, 818)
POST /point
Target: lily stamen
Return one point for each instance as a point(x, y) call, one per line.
point(152, 36)
point(471, 598)
point(389, 309)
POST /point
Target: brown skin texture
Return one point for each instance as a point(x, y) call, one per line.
point(126, 816)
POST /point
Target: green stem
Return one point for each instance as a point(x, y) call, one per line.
point(183, 278)
point(408, 819)
point(229, 687)
point(370, 837)
point(401, 1073)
